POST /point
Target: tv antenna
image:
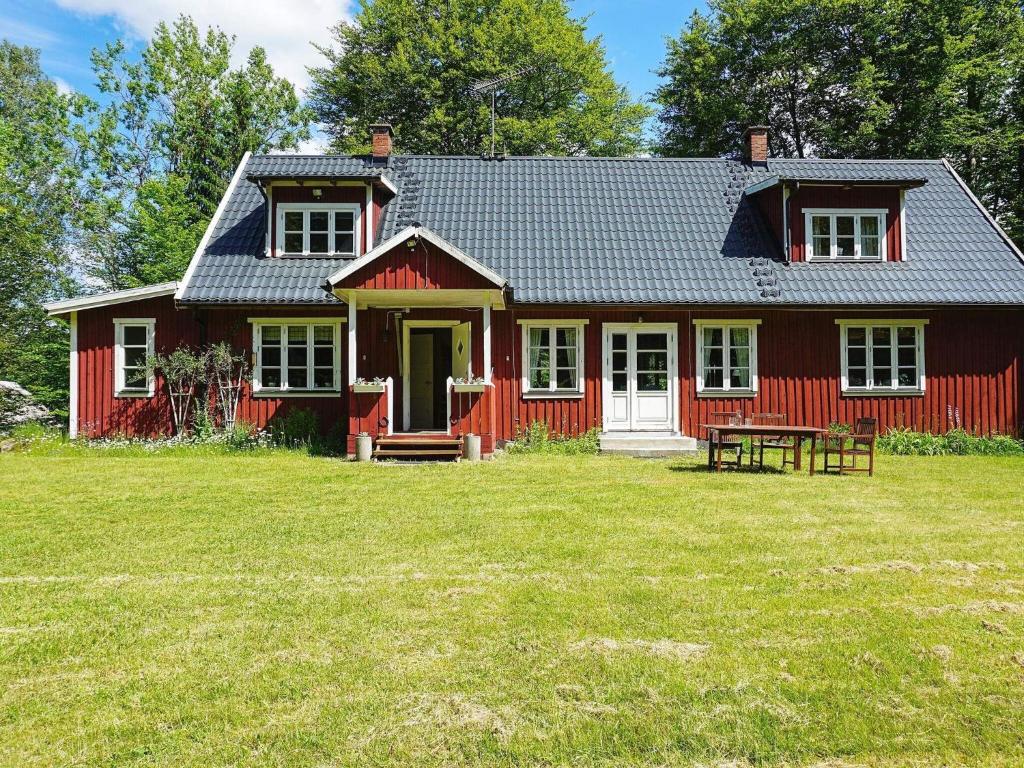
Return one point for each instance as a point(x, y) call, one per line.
point(480, 87)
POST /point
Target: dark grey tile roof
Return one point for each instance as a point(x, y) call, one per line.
point(312, 166)
point(847, 170)
point(643, 230)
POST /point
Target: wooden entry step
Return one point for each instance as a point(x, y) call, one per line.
point(419, 447)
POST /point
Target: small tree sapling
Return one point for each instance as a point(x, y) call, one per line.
point(229, 371)
point(181, 370)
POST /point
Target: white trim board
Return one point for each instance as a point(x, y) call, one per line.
point(201, 248)
point(57, 308)
point(412, 233)
point(73, 379)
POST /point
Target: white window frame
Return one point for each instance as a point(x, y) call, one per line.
point(552, 325)
point(870, 388)
point(726, 389)
point(880, 213)
point(120, 323)
point(331, 208)
point(258, 323)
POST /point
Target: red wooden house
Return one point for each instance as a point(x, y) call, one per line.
point(445, 295)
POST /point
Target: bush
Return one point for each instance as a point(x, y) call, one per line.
point(538, 438)
point(956, 442)
point(297, 428)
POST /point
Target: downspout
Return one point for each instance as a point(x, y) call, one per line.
point(787, 243)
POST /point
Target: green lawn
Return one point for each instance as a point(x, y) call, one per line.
point(276, 609)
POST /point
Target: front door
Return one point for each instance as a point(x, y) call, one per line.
point(421, 380)
point(640, 377)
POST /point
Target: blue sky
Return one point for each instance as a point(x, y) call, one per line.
point(67, 30)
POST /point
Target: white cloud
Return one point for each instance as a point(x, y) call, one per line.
point(285, 28)
point(63, 87)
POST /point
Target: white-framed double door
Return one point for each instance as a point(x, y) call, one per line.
point(640, 381)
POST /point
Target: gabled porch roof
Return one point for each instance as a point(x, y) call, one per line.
point(477, 286)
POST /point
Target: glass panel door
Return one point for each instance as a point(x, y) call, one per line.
point(639, 375)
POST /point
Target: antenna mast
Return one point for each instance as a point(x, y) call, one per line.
point(484, 86)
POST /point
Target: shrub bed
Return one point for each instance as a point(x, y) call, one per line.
point(957, 442)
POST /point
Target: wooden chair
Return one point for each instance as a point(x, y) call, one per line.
point(729, 442)
point(860, 442)
point(760, 443)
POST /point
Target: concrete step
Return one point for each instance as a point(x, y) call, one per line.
point(647, 444)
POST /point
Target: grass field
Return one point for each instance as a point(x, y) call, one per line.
point(186, 609)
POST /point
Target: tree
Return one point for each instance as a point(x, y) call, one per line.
point(38, 176)
point(857, 78)
point(162, 148)
point(412, 63)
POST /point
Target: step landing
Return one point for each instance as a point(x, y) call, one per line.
point(647, 444)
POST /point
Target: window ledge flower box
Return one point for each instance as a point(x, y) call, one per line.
point(377, 385)
point(477, 385)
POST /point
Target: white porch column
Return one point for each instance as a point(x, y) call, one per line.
point(352, 351)
point(487, 343)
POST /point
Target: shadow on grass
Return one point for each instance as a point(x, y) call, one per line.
point(702, 467)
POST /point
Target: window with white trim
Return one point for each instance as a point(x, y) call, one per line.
point(845, 235)
point(552, 357)
point(881, 357)
point(295, 355)
point(133, 345)
point(317, 229)
point(727, 356)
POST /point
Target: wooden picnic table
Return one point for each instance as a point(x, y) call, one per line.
point(798, 432)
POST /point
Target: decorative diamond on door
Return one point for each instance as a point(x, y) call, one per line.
point(460, 348)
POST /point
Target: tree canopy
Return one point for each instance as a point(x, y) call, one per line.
point(38, 171)
point(857, 78)
point(412, 63)
point(161, 150)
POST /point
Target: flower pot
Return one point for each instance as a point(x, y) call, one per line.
point(364, 447)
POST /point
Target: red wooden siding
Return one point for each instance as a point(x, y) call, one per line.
point(422, 267)
point(102, 414)
point(770, 204)
point(329, 194)
point(973, 362)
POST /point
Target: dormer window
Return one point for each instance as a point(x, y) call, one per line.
point(317, 229)
point(834, 234)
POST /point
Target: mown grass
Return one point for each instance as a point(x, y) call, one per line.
point(277, 609)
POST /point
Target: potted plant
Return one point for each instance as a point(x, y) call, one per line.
point(364, 447)
point(374, 385)
point(469, 385)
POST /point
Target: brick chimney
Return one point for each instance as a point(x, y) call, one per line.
point(755, 145)
point(381, 134)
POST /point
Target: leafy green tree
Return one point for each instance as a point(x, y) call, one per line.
point(857, 78)
point(162, 148)
point(412, 63)
point(38, 176)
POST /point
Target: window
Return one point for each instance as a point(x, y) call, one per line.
point(882, 356)
point(839, 235)
point(133, 343)
point(553, 356)
point(297, 355)
point(320, 229)
point(727, 356)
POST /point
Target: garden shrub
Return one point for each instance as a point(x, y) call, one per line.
point(538, 438)
point(956, 442)
point(295, 428)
